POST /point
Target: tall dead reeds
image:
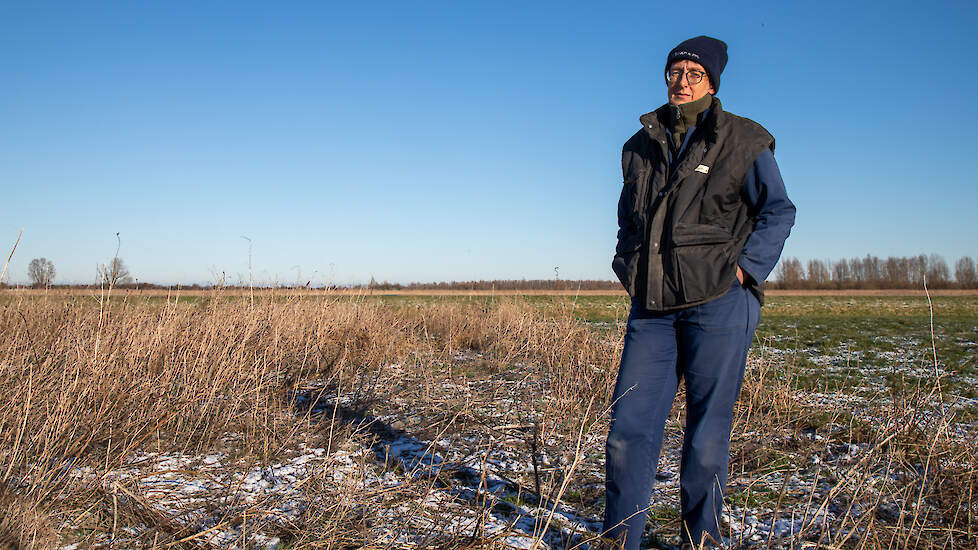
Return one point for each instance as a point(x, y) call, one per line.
point(91, 383)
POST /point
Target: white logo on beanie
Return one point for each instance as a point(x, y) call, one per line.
point(691, 54)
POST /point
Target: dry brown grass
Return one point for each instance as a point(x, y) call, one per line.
point(92, 381)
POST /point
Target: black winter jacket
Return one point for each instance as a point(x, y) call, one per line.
point(683, 225)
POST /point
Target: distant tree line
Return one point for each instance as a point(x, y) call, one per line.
point(872, 272)
point(869, 272)
point(500, 284)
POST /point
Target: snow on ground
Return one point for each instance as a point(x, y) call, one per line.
point(207, 492)
point(474, 479)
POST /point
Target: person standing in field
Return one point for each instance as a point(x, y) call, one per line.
point(703, 217)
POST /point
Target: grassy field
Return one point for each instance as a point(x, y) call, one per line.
point(461, 421)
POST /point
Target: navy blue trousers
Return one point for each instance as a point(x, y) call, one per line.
point(705, 346)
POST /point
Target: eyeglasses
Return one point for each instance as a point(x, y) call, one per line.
point(693, 77)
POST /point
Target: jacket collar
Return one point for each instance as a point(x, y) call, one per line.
point(710, 123)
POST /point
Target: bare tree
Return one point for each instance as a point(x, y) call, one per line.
point(790, 273)
point(41, 271)
point(857, 272)
point(114, 273)
point(872, 271)
point(918, 268)
point(964, 273)
point(818, 274)
point(938, 275)
point(896, 272)
point(840, 273)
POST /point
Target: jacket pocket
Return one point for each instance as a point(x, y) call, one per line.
point(702, 257)
point(686, 234)
point(625, 266)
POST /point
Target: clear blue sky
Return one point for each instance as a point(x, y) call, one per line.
point(454, 141)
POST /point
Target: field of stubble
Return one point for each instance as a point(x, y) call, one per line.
point(305, 421)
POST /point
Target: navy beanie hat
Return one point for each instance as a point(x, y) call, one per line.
point(709, 52)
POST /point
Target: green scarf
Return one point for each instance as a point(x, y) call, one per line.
point(683, 117)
